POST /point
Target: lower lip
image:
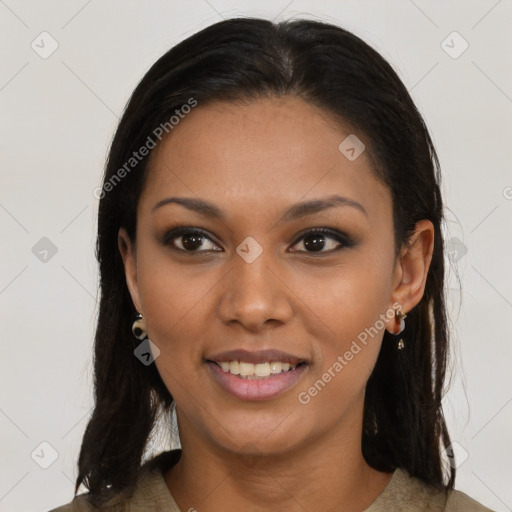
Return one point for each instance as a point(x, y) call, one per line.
point(256, 389)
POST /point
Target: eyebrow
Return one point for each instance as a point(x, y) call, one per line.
point(296, 211)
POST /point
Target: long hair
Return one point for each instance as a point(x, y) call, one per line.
point(239, 60)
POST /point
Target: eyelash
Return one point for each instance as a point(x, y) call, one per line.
point(342, 238)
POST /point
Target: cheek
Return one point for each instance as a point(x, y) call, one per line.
point(347, 299)
point(345, 359)
point(174, 300)
point(353, 306)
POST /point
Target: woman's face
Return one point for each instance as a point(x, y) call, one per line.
point(257, 279)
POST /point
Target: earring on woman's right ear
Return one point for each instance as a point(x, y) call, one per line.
point(139, 327)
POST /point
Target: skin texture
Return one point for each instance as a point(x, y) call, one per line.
point(254, 161)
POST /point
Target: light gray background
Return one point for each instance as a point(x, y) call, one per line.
point(58, 117)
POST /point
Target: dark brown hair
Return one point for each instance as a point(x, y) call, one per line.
point(244, 59)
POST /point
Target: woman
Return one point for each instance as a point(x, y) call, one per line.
point(271, 261)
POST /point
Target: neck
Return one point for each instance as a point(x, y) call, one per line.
point(314, 476)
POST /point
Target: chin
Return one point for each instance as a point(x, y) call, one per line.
point(265, 440)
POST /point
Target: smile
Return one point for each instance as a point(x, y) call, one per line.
point(260, 381)
point(255, 371)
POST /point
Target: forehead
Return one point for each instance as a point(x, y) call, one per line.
point(259, 153)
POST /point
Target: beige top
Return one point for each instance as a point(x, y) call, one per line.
point(403, 493)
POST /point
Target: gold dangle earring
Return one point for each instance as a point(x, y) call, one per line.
point(401, 316)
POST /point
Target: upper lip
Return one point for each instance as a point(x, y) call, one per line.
point(261, 356)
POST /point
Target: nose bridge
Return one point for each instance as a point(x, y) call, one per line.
point(251, 274)
point(253, 295)
point(254, 272)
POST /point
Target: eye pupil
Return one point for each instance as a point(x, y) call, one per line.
point(315, 241)
point(192, 241)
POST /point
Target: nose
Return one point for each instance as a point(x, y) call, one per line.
point(254, 294)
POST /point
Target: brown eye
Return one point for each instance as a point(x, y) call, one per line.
point(189, 240)
point(319, 239)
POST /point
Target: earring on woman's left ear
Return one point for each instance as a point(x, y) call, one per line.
point(401, 316)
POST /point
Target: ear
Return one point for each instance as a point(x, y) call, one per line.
point(127, 250)
point(411, 269)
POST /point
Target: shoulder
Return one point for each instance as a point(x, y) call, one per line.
point(459, 501)
point(407, 493)
point(78, 504)
point(149, 494)
point(81, 503)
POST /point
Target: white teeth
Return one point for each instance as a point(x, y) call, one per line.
point(262, 369)
point(246, 369)
point(255, 371)
point(276, 367)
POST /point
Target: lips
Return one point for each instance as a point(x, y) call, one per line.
point(257, 389)
point(287, 370)
point(261, 356)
